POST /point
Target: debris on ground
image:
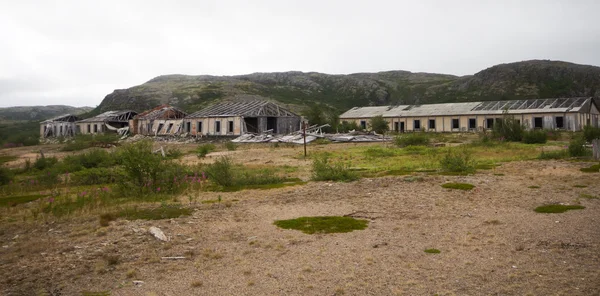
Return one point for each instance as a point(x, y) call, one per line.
point(159, 234)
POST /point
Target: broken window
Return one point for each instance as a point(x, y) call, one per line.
point(538, 122)
point(217, 127)
point(169, 128)
point(560, 122)
point(431, 123)
point(455, 123)
point(160, 127)
point(230, 127)
point(417, 124)
point(396, 126)
point(489, 123)
point(199, 128)
point(95, 128)
point(363, 124)
point(89, 129)
point(472, 123)
point(188, 127)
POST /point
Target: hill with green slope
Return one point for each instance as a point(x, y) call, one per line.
point(528, 79)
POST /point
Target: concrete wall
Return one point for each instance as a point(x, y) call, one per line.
point(94, 127)
point(59, 128)
point(151, 127)
point(284, 125)
point(571, 121)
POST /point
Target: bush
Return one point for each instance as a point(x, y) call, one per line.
point(202, 150)
point(90, 159)
point(591, 133)
point(415, 139)
point(508, 129)
point(535, 137)
point(348, 126)
point(221, 172)
point(576, 147)
point(231, 146)
point(323, 170)
point(6, 175)
point(173, 153)
point(96, 176)
point(555, 154)
point(140, 165)
point(457, 162)
point(43, 163)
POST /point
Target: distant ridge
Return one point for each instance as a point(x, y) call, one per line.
point(520, 80)
point(36, 113)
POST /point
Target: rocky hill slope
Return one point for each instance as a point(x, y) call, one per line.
point(528, 79)
point(37, 113)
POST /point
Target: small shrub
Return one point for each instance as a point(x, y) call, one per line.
point(6, 175)
point(460, 186)
point(414, 139)
point(555, 154)
point(96, 176)
point(173, 153)
point(379, 152)
point(548, 209)
point(203, 150)
point(221, 172)
point(162, 212)
point(106, 218)
point(432, 251)
point(43, 163)
point(326, 224)
point(590, 133)
point(535, 137)
point(457, 162)
point(508, 129)
point(231, 146)
point(576, 147)
point(323, 170)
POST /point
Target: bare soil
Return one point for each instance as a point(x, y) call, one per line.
point(491, 240)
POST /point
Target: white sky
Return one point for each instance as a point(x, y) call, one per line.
point(75, 52)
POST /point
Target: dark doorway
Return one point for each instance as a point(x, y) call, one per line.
point(272, 124)
point(416, 125)
point(560, 122)
point(402, 126)
point(251, 124)
point(432, 124)
point(489, 123)
point(217, 127)
point(472, 123)
point(538, 122)
point(396, 126)
point(188, 127)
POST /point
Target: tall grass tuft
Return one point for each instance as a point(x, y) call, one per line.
point(414, 139)
point(324, 170)
point(457, 162)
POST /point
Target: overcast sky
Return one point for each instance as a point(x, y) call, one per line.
point(75, 52)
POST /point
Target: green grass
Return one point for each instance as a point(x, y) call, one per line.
point(324, 224)
point(460, 186)
point(592, 169)
point(6, 158)
point(432, 251)
point(162, 212)
point(284, 183)
point(589, 196)
point(15, 200)
point(533, 187)
point(580, 186)
point(557, 208)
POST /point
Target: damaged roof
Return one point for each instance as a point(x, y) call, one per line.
point(244, 108)
point(162, 112)
point(62, 118)
point(554, 105)
point(118, 116)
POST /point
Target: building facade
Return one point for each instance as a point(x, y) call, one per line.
point(161, 121)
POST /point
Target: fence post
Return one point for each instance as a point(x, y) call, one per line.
point(596, 149)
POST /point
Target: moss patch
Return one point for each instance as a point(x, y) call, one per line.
point(592, 169)
point(557, 208)
point(432, 251)
point(460, 186)
point(325, 224)
point(580, 186)
point(162, 212)
point(589, 196)
point(533, 187)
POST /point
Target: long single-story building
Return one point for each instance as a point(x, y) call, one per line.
point(161, 121)
point(107, 121)
point(63, 125)
point(558, 113)
point(237, 118)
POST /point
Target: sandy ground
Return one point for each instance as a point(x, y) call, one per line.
point(491, 241)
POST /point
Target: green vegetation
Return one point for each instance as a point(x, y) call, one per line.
point(231, 146)
point(508, 129)
point(554, 154)
point(84, 141)
point(580, 186)
point(231, 177)
point(590, 133)
point(576, 147)
point(533, 187)
point(589, 196)
point(432, 251)
point(204, 149)
point(557, 208)
point(15, 200)
point(162, 212)
point(6, 176)
point(457, 162)
point(326, 224)
point(592, 169)
point(19, 133)
point(7, 158)
point(325, 170)
point(535, 137)
point(379, 125)
point(414, 139)
point(460, 186)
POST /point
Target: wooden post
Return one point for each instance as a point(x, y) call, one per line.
point(304, 136)
point(596, 149)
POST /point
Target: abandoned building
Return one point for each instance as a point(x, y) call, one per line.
point(560, 113)
point(112, 121)
point(237, 118)
point(61, 126)
point(160, 121)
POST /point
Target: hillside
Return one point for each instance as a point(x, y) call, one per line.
point(37, 113)
point(528, 79)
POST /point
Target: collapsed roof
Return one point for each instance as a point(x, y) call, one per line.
point(162, 112)
point(62, 118)
point(112, 116)
point(244, 108)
